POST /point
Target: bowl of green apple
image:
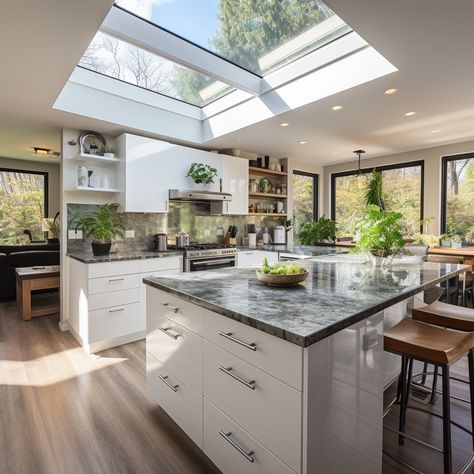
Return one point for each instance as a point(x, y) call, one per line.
point(281, 274)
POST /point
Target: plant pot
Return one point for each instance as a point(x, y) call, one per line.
point(378, 261)
point(445, 243)
point(456, 245)
point(100, 249)
point(109, 155)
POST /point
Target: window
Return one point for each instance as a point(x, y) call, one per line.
point(403, 192)
point(305, 198)
point(23, 203)
point(129, 63)
point(457, 207)
point(257, 35)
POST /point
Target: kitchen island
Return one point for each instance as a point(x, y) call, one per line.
point(274, 380)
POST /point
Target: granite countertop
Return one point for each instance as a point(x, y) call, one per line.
point(88, 257)
point(336, 295)
point(310, 250)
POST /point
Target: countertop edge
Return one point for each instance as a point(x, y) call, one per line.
point(122, 258)
point(304, 341)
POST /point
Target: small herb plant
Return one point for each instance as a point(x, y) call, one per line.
point(322, 230)
point(202, 173)
point(380, 233)
point(102, 225)
point(54, 226)
point(109, 149)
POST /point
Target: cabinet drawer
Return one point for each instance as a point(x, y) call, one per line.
point(113, 283)
point(178, 310)
point(176, 397)
point(113, 322)
point(160, 264)
point(279, 358)
point(114, 298)
point(99, 270)
point(265, 407)
point(178, 347)
point(226, 452)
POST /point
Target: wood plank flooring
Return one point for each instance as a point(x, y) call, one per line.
point(62, 411)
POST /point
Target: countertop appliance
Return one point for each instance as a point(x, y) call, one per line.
point(208, 256)
point(279, 235)
point(161, 242)
point(182, 239)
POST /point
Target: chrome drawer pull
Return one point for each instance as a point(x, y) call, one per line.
point(228, 371)
point(244, 453)
point(116, 279)
point(166, 331)
point(228, 335)
point(164, 378)
point(116, 310)
point(172, 308)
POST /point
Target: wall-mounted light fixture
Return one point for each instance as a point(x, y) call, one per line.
point(39, 151)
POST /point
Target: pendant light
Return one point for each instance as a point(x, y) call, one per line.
point(359, 153)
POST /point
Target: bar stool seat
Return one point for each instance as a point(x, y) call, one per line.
point(446, 315)
point(427, 343)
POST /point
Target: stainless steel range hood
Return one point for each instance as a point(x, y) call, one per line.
point(197, 195)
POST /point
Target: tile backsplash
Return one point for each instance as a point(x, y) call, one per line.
point(193, 218)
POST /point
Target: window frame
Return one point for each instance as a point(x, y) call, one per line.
point(45, 175)
point(406, 164)
point(315, 194)
point(444, 185)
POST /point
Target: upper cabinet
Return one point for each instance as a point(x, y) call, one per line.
point(150, 168)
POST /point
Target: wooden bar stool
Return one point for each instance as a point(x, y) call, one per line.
point(415, 340)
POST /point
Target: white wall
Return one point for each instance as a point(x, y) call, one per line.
point(54, 189)
point(432, 189)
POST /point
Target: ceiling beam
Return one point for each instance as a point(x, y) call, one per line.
point(141, 33)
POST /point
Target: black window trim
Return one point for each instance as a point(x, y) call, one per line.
point(406, 164)
point(45, 175)
point(315, 190)
point(444, 184)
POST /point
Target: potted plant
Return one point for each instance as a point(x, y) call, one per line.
point(102, 225)
point(322, 231)
point(201, 173)
point(374, 192)
point(379, 235)
point(109, 151)
point(53, 227)
point(456, 241)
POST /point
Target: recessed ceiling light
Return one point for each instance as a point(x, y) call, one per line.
point(303, 143)
point(436, 131)
point(409, 114)
point(390, 91)
point(284, 124)
point(337, 107)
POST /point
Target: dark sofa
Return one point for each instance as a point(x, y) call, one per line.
point(14, 256)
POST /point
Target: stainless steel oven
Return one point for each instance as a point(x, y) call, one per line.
point(199, 257)
point(199, 264)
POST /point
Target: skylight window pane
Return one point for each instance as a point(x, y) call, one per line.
point(120, 60)
point(258, 35)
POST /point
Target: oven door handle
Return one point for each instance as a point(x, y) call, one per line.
point(219, 261)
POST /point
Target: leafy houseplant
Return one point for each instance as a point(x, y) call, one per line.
point(380, 234)
point(109, 151)
point(320, 231)
point(374, 192)
point(54, 228)
point(202, 173)
point(102, 225)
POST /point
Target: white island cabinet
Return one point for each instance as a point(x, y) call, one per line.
point(254, 258)
point(107, 300)
point(256, 403)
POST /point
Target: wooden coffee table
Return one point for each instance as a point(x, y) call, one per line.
point(29, 279)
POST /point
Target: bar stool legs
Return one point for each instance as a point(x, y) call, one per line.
point(447, 450)
point(471, 390)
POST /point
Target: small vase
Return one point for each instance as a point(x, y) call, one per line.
point(100, 249)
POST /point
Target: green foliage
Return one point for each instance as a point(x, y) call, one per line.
point(102, 225)
point(109, 149)
point(427, 239)
point(281, 268)
point(380, 233)
point(54, 226)
point(323, 230)
point(201, 173)
point(374, 193)
point(302, 201)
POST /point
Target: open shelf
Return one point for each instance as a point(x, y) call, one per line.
point(269, 214)
point(96, 158)
point(266, 172)
point(267, 195)
point(94, 190)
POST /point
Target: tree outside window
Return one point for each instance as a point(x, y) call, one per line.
point(305, 190)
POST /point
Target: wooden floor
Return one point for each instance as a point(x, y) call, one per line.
point(62, 411)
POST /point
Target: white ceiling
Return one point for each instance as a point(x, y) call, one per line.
point(429, 41)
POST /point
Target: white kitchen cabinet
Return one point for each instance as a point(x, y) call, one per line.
point(254, 258)
point(235, 178)
point(149, 168)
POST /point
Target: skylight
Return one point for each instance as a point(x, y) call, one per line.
point(116, 58)
point(258, 35)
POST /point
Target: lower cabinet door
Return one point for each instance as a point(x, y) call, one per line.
point(182, 402)
point(233, 450)
point(115, 321)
